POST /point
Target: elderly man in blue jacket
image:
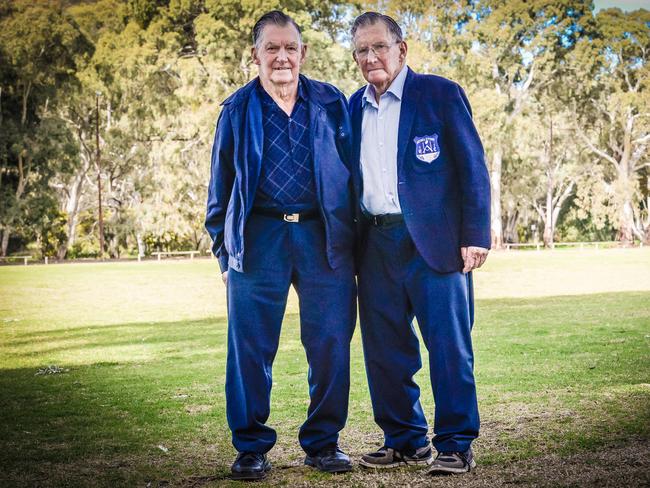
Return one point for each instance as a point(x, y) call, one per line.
point(280, 212)
point(425, 198)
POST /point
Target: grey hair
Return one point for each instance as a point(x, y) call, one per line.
point(274, 17)
point(371, 18)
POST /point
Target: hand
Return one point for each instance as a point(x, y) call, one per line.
point(224, 277)
point(473, 257)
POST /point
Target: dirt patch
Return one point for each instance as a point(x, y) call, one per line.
point(627, 466)
point(615, 467)
point(195, 409)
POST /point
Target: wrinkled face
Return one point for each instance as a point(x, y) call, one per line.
point(279, 54)
point(378, 55)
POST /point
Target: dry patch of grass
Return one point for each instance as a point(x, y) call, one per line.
point(611, 466)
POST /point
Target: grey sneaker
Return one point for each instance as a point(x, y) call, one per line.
point(387, 457)
point(453, 463)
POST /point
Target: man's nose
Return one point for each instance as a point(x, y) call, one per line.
point(372, 57)
point(282, 55)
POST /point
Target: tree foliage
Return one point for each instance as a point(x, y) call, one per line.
point(560, 96)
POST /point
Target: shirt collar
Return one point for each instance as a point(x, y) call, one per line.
point(396, 88)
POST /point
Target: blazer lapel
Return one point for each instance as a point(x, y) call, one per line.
point(410, 98)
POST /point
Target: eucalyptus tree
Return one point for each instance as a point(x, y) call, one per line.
point(41, 47)
point(613, 107)
point(519, 48)
point(554, 167)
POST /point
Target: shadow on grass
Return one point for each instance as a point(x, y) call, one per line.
point(209, 325)
point(563, 374)
point(109, 423)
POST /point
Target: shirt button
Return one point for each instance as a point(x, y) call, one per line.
point(381, 144)
point(383, 170)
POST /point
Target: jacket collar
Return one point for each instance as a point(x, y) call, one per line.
point(315, 92)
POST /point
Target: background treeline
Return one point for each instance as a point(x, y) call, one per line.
point(560, 96)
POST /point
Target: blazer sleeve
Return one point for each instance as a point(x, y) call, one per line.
point(469, 158)
point(222, 176)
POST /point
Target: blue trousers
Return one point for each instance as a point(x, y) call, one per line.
point(395, 284)
point(277, 255)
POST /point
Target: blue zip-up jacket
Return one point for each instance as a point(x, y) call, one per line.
point(237, 160)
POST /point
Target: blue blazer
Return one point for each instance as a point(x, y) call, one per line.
point(446, 201)
point(237, 159)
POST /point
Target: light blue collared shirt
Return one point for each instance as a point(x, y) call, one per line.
point(379, 130)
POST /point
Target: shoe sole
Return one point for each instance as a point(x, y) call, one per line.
point(442, 470)
point(251, 476)
point(334, 469)
point(399, 464)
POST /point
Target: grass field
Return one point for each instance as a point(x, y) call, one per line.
point(562, 346)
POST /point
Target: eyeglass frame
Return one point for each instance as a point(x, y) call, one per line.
point(374, 48)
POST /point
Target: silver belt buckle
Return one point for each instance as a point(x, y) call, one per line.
point(291, 217)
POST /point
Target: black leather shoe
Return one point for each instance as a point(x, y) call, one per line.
point(330, 460)
point(250, 466)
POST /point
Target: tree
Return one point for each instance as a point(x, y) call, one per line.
point(518, 48)
point(614, 124)
point(555, 165)
point(41, 47)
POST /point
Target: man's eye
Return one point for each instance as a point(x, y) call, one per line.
point(292, 49)
point(272, 49)
point(362, 51)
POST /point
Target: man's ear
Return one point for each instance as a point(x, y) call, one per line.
point(303, 53)
point(403, 49)
point(256, 60)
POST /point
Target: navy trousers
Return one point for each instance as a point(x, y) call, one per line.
point(395, 284)
point(279, 254)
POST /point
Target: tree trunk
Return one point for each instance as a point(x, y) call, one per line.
point(625, 188)
point(626, 226)
point(495, 185)
point(72, 208)
point(114, 247)
point(646, 223)
point(549, 223)
point(510, 230)
point(5, 241)
point(141, 246)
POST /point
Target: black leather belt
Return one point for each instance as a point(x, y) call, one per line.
point(293, 217)
point(386, 219)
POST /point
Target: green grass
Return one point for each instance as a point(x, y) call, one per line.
point(562, 345)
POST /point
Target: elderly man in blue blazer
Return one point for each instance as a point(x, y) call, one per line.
point(425, 201)
point(280, 212)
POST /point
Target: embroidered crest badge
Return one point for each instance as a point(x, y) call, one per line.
point(427, 148)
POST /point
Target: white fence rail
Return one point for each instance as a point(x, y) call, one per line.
point(580, 245)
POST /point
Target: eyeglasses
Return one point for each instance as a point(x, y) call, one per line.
point(378, 49)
